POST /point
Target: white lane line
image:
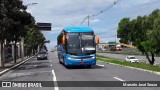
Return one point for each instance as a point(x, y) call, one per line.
point(118, 79)
point(100, 65)
point(55, 81)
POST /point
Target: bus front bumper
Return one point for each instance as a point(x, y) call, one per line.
point(71, 62)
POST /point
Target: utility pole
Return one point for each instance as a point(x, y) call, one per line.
point(31, 4)
point(116, 37)
point(88, 19)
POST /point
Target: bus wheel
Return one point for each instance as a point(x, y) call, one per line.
point(88, 66)
point(64, 61)
point(67, 66)
point(59, 60)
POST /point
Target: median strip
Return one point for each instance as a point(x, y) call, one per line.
point(139, 66)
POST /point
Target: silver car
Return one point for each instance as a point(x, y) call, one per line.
point(42, 55)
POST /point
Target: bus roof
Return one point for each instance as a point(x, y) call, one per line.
point(78, 29)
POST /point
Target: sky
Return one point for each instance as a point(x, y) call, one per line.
point(63, 13)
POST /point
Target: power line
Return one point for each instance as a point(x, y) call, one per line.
point(106, 8)
point(139, 9)
point(83, 20)
point(102, 11)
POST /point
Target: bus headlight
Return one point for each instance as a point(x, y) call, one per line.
point(93, 57)
point(70, 58)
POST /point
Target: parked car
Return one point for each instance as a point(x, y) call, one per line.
point(42, 55)
point(131, 59)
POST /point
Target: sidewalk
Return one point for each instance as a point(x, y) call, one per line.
point(11, 65)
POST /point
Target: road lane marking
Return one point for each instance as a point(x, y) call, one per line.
point(55, 81)
point(100, 65)
point(118, 79)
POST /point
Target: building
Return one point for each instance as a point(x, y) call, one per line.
point(101, 46)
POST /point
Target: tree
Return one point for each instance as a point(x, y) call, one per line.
point(34, 39)
point(144, 32)
point(19, 21)
point(3, 27)
point(156, 34)
point(123, 29)
point(14, 23)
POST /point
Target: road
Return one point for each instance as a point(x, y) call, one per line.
point(51, 70)
point(123, 56)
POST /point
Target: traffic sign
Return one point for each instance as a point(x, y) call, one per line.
point(44, 26)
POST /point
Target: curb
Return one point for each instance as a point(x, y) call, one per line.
point(153, 72)
point(8, 69)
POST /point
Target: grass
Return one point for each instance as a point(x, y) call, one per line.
point(125, 53)
point(137, 65)
point(130, 53)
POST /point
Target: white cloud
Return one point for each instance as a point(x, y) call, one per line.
point(29, 11)
point(62, 13)
point(95, 20)
point(51, 44)
point(65, 12)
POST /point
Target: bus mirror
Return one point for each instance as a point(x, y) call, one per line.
point(63, 39)
point(97, 39)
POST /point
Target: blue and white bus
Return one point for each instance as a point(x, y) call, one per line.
point(77, 46)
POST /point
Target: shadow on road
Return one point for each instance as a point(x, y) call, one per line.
point(83, 67)
point(32, 67)
point(35, 63)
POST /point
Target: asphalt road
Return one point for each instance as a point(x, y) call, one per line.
point(123, 56)
point(51, 70)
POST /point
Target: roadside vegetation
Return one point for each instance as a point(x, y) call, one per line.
point(142, 32)
point(18, 26)
point(124, 63)
point(125, 53)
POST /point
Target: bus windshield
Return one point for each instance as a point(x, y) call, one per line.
point(80, 43)
point(73, 43)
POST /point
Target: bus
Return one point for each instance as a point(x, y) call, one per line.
point(76, 46)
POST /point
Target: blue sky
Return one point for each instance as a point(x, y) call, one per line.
point(62, 13)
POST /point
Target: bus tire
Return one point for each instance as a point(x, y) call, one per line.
point(64, 62)
point(59, 59)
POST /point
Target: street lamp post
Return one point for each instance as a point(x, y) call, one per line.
point(88, 19)
point(22, 38)
point(31, 4)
